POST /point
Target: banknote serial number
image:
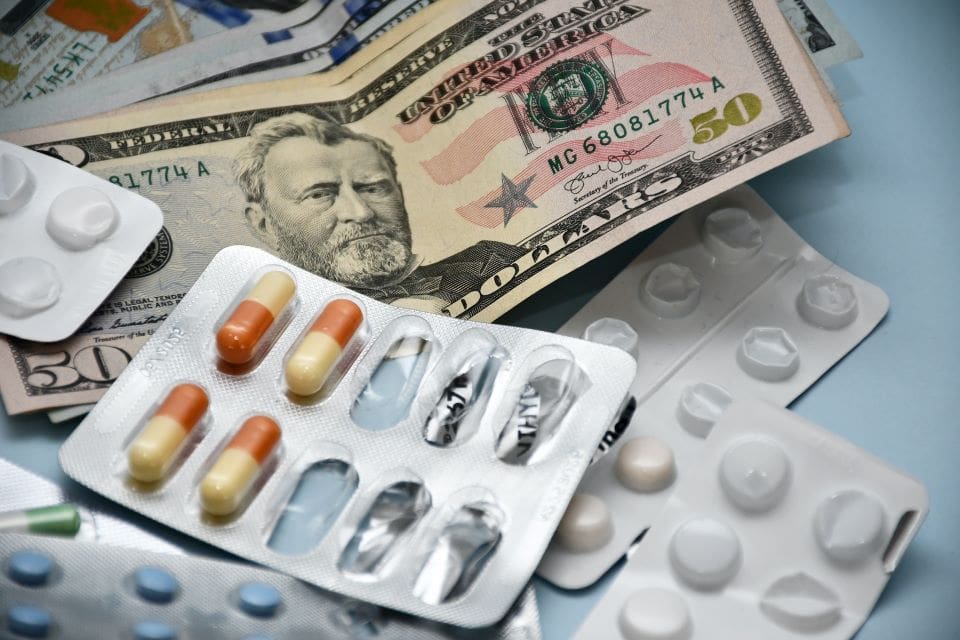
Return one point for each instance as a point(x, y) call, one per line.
point(159, 175)
point(646, 117)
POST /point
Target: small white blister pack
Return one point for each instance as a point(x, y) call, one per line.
point(37, 506)
point(60, 589)
point(783, 531)
point(729, 302)
point(402, 458)
point(67, 238)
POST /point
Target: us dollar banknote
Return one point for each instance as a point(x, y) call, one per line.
point(821, 32)
point(497, 148)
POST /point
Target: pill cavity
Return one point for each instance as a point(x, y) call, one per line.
point(850, 526)
point(27, 286)
point(655, 614)
point(318, 353)
point(732, 235)
point(827, 301)
point(768, 354)
point(613, 332)
point(394, 511)
point(81, 217)
point(645, 464)
point(259, 599)
point(700, 407)
point(17, 184)
point(154, 584)
point(459, 553)
point(586, 525)
point(386, 398)
point(153, 630)
point(225, 487)
point(29, 621)
point(459, 398)
point(799, 602)
point(155, 449)
point(30, 568)
point(671, 290)
point(755, 474)
point(321, 494)
point(546, 399)
point(705, 553)
point(241, 334)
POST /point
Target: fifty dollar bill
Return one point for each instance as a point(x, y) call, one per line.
point(499, 147)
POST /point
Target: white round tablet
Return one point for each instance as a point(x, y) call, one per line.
point(670, 290)
point(27, 286)
point(850, 526)
point(731, 234)
point(81, 217)
point(705, 553)
point(700, 407)
point(827, 301)
point(645, 464)
point(755, 474)
point(17, 184)
point(768, 354)
point(655, 614)
point(586, 525)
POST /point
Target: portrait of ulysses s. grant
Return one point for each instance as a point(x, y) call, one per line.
point(328, 199)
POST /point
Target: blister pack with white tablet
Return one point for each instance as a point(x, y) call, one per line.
point(67, 238)
point(33, 505)
point(782, 531)
point(64, 589)
point(729, 302)
point(407, 459)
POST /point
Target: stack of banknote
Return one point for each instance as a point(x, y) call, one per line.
point(448, 155)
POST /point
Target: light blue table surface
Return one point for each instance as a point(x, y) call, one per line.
point(882, 204)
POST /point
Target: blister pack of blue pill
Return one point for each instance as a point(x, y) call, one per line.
point(727, 303)
point(67, 238)
point(403, 458)
point(65, 589)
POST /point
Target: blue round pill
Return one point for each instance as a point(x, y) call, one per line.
point(29, 568)
point(155, 584)
point(258, 599)
point(153, 630)
point(29, 621)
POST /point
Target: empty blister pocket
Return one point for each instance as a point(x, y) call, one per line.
point(325, 482)
point(396, 364)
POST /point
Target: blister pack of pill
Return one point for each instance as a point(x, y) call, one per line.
point(67, 238)
point(403, 458)
point(33, 505)
point(60, 588)
point(782, 531)
point(729, 302)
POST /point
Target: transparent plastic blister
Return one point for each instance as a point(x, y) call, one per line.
point(63, 589)
point(782, 531)
point(67, 238)
point(727, 303)
point(406, 452)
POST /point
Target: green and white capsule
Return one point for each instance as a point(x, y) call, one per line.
point(55, 520)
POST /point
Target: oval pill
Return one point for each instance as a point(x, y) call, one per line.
point(310, 365)
point(156, 446)
point(259, 599)
point(30, 568)
point(29, 621)
point(154, 584)
point(239, 336)
point(153, 630)
point(229, 480)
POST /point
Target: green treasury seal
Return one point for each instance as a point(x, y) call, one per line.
point(566, 95)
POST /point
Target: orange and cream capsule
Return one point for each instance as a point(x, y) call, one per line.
point(239, 336)
point(229, 480)
point(156, 446)
point(310, 365)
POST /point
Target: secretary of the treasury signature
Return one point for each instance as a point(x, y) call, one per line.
point(616, 163)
